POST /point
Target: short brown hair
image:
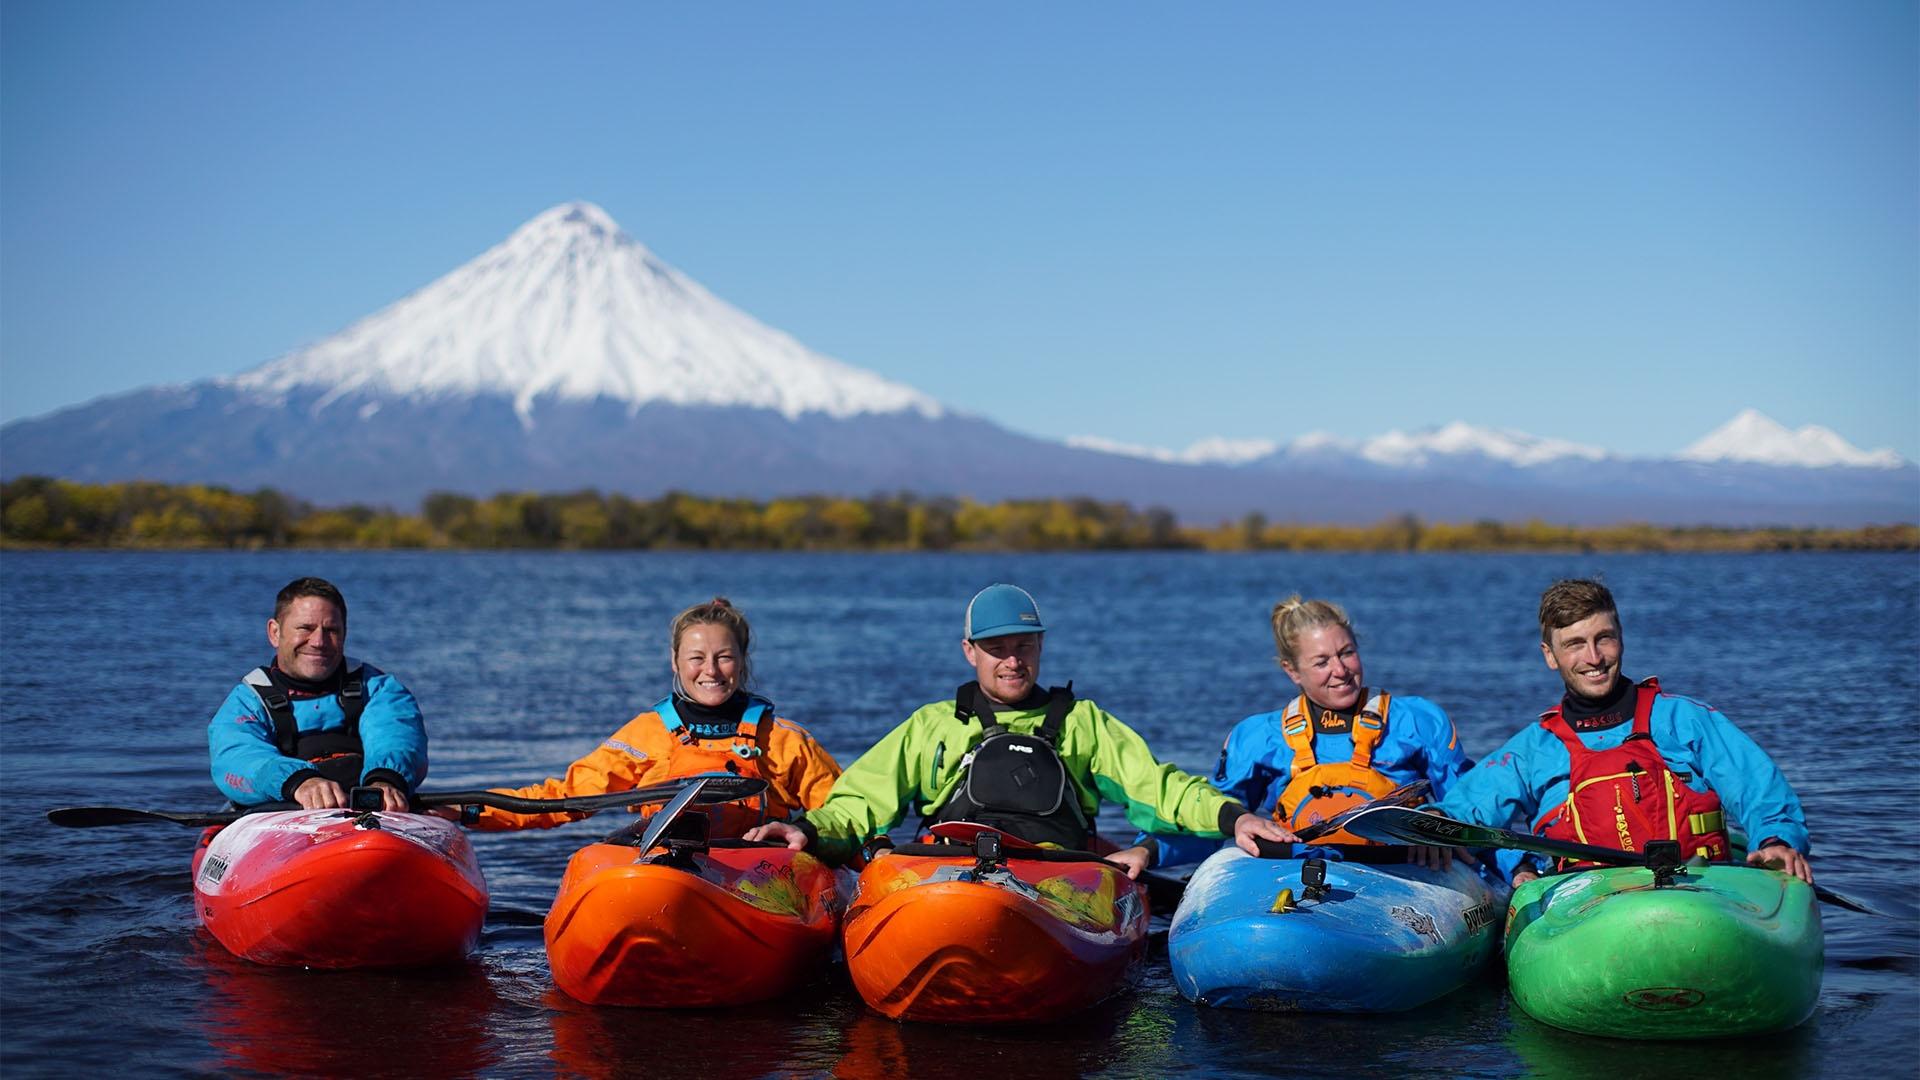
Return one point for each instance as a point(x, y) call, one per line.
point(1570, 600)
point(718, 611)
point(308, 586)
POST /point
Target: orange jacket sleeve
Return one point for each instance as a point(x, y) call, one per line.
point(629, 759)
point(806, 771)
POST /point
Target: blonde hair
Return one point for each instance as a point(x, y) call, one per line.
point(1294, 616)
point(718, 611)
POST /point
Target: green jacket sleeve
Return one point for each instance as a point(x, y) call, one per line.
point(876, 791)
point(1157, 796)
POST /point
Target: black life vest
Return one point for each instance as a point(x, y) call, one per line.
point(337, 754)
point(1017, 783)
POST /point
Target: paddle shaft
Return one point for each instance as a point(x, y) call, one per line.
point(717, 789)
point(1399, 825)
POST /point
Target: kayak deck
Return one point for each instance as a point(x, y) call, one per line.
point(1725, 950)
point(1383, 937)
point(340, 889)
point(931, 938)
point(736, 924)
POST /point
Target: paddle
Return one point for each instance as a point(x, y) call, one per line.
point(664, 817)
point(1167, 889)
point(1398, 825)
point(717, 789)
point(1412, 794)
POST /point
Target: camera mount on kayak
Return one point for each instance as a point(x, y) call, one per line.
point(1663, 858)
point(1313, 875)
point(364, 804)
point(987, 853)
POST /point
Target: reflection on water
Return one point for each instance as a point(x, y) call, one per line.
point(290, 1021)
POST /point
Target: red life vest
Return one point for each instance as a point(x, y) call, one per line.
point(1628, 795)
point(1319, 790)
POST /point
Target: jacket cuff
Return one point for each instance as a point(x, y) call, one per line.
point(1230, 812)
point(812, 832)
point(386, 776)
point(293, 782)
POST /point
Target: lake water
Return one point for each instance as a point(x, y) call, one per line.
point(523, 661)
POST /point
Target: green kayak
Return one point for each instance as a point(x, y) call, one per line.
point(1724, 950)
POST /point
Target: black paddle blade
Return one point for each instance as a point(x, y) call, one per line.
point(1412, 794)
point(92, 817)
point(658, 826)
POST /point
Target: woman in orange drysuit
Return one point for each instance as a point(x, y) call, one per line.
point(707, 725)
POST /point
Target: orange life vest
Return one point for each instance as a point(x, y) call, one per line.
point(1319, 790)
point(1629, 795)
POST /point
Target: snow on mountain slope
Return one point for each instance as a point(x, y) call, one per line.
point(1395, 449)
point(1756, 437)
point(571, 307)
point(1204, 452)
point(1751, 438)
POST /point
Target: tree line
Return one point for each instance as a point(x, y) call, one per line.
point(43, 512)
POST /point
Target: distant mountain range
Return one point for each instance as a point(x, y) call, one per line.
point(570, 356)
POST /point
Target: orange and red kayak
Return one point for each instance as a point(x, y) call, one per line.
point(340, 889)
point(940, 932)
point(723, 924)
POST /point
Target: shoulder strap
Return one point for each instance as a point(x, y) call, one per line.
point(1296, 727)
point(669, 719)
point(1556, 722)
point(286, 733)
point(1369, 727)
point(760, 712)
point(353, 697)
point(969, 702)
point(286, 730)
point(1059, 704)
point(1644, 694)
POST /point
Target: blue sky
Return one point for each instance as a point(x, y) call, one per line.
point(1618, 223)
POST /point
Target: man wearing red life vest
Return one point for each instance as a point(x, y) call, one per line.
point(1617, 763)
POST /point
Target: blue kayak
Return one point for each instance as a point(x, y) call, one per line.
point(1380, 938)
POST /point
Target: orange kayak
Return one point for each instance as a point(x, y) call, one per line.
point(724, 924)
point(340, 889)
point(938, 932)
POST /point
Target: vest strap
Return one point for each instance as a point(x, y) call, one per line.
point(1369, 728)
point(279, 706)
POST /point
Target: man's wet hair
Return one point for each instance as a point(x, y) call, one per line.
point(308, 586)
point(1570, 600)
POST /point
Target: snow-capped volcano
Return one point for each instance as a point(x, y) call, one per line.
point(1756, 437)
point(571, 307)
point(570, 357)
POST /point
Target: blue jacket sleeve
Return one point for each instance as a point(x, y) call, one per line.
point(393, 734)
point(1503, 791)
point(1442, 759)
point(247, 767)
point(1754, 791)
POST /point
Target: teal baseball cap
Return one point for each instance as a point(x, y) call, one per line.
point(999, 610)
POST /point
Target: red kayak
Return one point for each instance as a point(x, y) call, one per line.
point(963, 933)
point(715, 923)
point(340, 889)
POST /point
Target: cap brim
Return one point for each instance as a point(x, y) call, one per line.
point(1007, 630)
